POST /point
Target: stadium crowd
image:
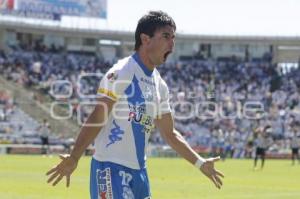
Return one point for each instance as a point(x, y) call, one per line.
point(228, 84)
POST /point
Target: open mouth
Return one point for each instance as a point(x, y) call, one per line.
point(167, 54)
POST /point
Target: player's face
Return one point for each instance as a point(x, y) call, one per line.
point(161, 45)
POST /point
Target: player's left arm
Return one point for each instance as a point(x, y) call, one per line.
point(165, 125)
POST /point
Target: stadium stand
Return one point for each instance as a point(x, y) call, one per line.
point(229, 83)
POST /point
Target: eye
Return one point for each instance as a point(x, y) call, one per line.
point(166, 36)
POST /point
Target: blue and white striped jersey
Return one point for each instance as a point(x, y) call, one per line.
point(141, 96)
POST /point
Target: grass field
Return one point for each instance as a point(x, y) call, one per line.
point(23, 177)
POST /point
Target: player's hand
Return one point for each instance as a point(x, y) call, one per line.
point(64, 168)
point(209, 170)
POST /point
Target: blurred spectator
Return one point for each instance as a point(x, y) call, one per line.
point(44, 132)
point(229, 84)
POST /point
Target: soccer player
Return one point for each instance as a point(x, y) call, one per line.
point(262, 142)
point(133, 98)
point(44, 130)
point(295, 144)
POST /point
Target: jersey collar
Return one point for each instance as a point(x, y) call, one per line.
point(138, 60)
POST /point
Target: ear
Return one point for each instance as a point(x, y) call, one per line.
point(145, 39)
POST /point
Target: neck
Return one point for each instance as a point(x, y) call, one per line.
point(145, 59)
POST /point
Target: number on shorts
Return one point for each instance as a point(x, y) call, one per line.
point(126, 177)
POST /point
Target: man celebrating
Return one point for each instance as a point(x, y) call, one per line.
point(133, 98)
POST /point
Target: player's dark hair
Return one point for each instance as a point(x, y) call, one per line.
point(149, 23)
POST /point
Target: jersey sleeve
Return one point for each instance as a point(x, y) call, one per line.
point(114, 82)
point(164, 104)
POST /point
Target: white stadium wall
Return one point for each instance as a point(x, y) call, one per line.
point(228, 49)
point(289, 55)
point(9, 37)
point(50, 39)
point(108, 53)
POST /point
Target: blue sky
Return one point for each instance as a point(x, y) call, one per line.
point(218, 17)
point(201, 17)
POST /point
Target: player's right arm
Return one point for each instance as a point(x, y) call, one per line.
point(92, 127)
point(87, 134)
point(110, 90)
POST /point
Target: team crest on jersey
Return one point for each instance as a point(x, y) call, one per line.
point(112, 76)
point(104, 184)
point(148, 96)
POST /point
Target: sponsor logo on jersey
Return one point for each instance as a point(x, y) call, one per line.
point(104, 184)
point(137, 115)
point(115, 134)
point(147, 81)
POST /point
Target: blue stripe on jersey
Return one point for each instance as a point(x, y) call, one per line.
point(146, 70)
point(136, 98)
